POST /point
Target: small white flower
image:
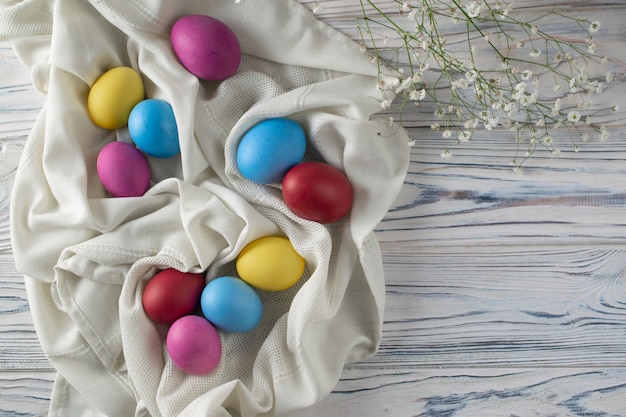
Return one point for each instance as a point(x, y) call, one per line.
point(390, 121)
point(615, 108)
point(527, 74)
point(609, 77)
point(439, 113)
point(529, 99)
point(417, 95)
point(465, 135)
point(318, 8)
point(435, 126)
point(406, 8)
point(604, 133)
point(473, 9)
point(535, 53)
point(385, 104)
point(573, 116)
point(446, 154)
point(405, 85)
point(594, 27)
point(446, 133)
point(556, 107)
point(388, 82)
point(471, 75)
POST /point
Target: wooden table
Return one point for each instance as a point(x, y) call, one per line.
point(505, 290)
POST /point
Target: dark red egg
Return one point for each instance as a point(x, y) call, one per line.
point(317, 191)
point(171, 294)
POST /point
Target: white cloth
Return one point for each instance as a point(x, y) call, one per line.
point(86, 257)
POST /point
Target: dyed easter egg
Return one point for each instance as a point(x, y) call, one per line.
point(152, 126)
point(207, 47)
point(194, 345)
point(123, 170)
point(270, 263)
point(112, 97)
point(171, 294)
point(231, 304)
point(317, 191)
point(269, 149)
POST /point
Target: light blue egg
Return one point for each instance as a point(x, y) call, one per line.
point(152, 126)
point(231, 304)
point(269, 149)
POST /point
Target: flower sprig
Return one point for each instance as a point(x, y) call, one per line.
point(484, 67)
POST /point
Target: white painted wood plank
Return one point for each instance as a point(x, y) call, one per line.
point(503, 306)
point(19, 346)
point(461, 392)
point(25, 394)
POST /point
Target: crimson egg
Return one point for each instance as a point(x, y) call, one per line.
point(171, 294)
point(317, 191)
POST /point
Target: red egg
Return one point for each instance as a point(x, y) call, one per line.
point(317, 191)
point(171, 294)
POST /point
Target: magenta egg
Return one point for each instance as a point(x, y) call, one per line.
point(194, 345)
point(207, 47)
point(123, 170)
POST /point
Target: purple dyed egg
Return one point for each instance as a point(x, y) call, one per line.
point(206, 47)
point(194, 345)
point(123, 170)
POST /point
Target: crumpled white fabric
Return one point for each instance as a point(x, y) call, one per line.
point(86, 257)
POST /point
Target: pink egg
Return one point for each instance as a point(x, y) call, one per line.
point(206, 47)
point(123, 170)
point(194, 345)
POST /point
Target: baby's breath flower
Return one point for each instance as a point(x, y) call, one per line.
point(446, 154)
point(604, 133)
point(573, 116)
point(529, 97)
point(464, 136)
point(317, 8)
point(473, 9)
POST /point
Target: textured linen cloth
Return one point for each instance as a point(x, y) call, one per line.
point(86, 257)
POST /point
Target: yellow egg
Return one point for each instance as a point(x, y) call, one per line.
point(113, 96)
point(270, 263)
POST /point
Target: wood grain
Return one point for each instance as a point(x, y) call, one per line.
point(506, 291)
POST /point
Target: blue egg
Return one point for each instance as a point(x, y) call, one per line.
point(231, 304)
point(269, 149)
point(152, 126)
